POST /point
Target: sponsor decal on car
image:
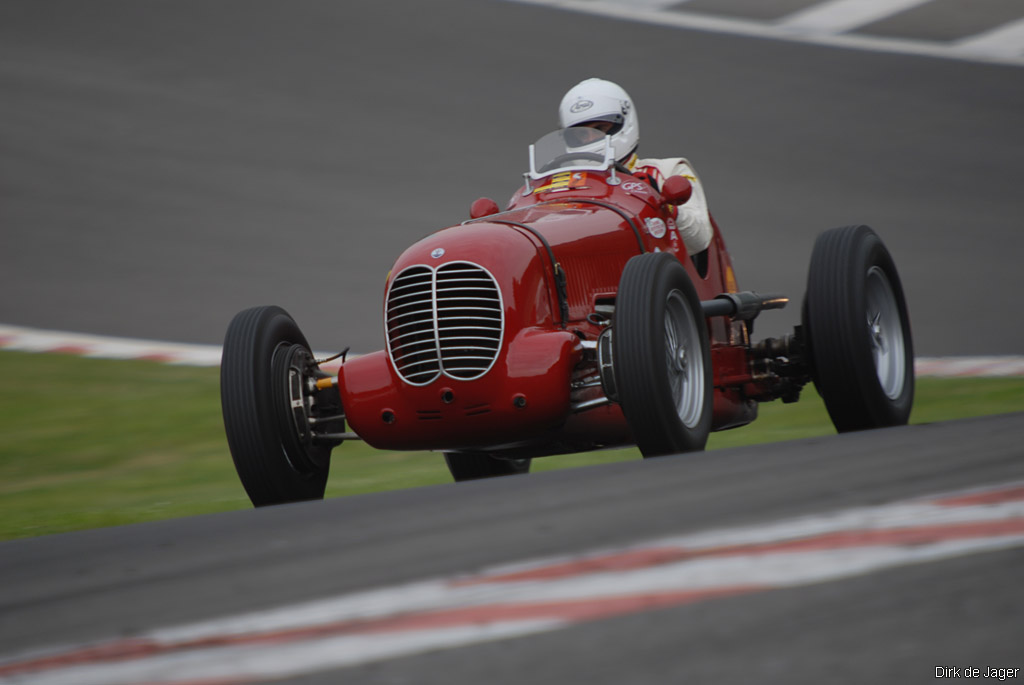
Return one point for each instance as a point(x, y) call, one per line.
point(656, 227)
point(636, 187)
point(568, 180)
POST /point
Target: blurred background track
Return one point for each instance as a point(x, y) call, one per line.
point(981, 30)
point(166, 164)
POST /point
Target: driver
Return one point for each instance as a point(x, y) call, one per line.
point(600, 104)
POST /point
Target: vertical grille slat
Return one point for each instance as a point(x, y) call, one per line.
point(447, 320)
point(412, 340)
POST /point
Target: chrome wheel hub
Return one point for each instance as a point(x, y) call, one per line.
point(885, 332)
point(686, 379)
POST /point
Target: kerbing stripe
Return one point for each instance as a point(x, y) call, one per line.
point(1001, 496)
point(541, 595)
point(184, 354)
point(832, 541)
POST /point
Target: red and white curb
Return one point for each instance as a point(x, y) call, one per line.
point(106, 347)
point(541, 595)
point(103, 347)
point(968, 367)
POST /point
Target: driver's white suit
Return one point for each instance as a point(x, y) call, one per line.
point(692, 221)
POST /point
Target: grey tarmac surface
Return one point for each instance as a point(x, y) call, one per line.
point(903, 622)
point(166, 164)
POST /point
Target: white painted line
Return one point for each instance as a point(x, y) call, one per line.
point(655, 4)
point(538, 596)
point(1005, 41)
point(756, 29)
point(839, 16)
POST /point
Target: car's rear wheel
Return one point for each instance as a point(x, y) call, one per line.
point(477, 465)
point(265, 369)
point(661, 356)
point(858, 331)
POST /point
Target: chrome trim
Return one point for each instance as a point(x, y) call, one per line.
point(337, 436)
point(578, 407)
point(428, 318)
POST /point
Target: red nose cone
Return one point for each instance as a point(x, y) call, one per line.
point(482, 207)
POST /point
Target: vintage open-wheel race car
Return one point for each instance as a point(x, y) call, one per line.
point(573, 320)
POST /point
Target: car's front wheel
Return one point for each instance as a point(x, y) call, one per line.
point(266, 367)
point(661, 356)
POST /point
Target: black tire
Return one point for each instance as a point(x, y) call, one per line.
point(274, 462)
point(858, 331)
point(666, 401)
point(476, 465)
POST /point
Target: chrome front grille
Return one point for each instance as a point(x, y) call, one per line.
point(412, 341)
point(469, 319)
point(447, 320)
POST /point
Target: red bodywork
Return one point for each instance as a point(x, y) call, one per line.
point(524, 404)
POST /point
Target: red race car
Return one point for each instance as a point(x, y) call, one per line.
point(573, 320)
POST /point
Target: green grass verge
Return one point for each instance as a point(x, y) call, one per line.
point(89, 443)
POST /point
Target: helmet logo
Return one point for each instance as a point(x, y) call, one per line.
point(581, 106)
point(437, 253)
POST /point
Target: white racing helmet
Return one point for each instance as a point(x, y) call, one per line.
point(597, 100)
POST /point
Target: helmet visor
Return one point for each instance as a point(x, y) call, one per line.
point(580, 136)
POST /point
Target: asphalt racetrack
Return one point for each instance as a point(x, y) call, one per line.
point(166, 164)
point(119, 590)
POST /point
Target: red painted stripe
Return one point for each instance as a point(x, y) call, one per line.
point(77, 350)
point(988, 497)
point(205, 681)
point(642, 558)
point(119, 650)
point(157, 357)
point(619, 561)
point(568, 611)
